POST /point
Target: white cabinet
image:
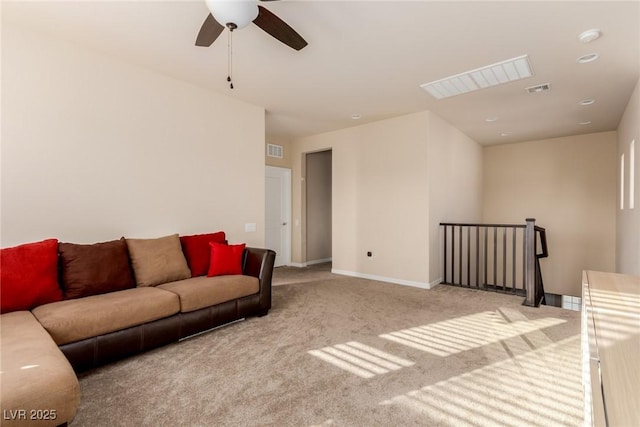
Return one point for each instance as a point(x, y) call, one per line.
point(611, 349)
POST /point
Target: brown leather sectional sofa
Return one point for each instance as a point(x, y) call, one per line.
point(242, 296)
point(94, 330)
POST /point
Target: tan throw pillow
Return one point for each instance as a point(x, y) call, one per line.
point(157, 261)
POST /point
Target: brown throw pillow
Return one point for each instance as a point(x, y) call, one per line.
point(157, 261)
point(94, 269)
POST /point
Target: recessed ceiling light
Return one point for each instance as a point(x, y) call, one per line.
point(586, 122)
point(490, 119)
point(590, 57)
point(589, 35)
point(356, 116)
point(504, 134)
point(587, 101)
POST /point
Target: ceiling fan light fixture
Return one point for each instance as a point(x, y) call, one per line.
point(239, 13)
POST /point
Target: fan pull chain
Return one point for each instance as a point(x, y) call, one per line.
point(230, 58)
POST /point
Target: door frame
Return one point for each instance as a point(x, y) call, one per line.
point(285, 173)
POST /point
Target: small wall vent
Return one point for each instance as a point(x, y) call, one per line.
point(539, 88)
point(275, 150)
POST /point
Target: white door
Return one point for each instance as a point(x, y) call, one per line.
point(278, 213)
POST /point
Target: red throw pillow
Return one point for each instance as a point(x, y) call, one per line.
point(225, 259)
point(197, 251)
point(29, 276)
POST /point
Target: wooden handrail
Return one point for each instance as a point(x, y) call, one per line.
point(543, 242)
point(464, 224)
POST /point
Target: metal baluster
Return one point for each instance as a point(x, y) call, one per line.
point(524, 259)
point(477, 256)
point(495, 257)
point(513, 260)
point(486, 256)
point(468, 257)
point(444, 270)
point(453, 254)
point(504, 259)
point(460, 256)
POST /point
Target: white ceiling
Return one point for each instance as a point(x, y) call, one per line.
point(369, 58)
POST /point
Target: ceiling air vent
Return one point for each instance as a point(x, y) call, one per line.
point(539, 88)
point(274, 150)
point(480, 78)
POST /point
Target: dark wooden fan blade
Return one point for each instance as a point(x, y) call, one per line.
point(279, 29)
point(209, 32)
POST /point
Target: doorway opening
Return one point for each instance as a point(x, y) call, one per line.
point(318, 207)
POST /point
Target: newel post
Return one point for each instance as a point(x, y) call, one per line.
point(530, 262)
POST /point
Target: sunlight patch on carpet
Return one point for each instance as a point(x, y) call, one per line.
point(539, 388)
point(467, 332)
point(360, 359)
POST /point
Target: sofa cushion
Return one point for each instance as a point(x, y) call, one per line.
point(158, 260)
point(197, 251)
point(95, 269)
point(77, 319)
point(200, 292)
point(29, 276)
point(225, 259)
point(35, 373)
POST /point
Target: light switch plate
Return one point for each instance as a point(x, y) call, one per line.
point(250, 227)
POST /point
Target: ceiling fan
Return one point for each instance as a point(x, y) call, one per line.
point(236, 14)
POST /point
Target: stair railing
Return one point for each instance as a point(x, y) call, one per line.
point(497, 257)
point(535, 298)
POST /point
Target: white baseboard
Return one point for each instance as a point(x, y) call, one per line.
point(421, 285)
point(319, 261)
point(297, 264)
point(308, 263)
point(435, 283)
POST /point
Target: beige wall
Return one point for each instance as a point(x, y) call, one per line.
point(94, 149)
point(566, 184)
point(455, 185)
point(379, 198)
point(628, 220)
point(393, 182)
point(319, 200)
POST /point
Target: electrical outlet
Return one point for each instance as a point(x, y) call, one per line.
point(369, 254)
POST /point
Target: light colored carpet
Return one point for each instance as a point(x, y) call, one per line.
point(287, 275)
point(352, 352)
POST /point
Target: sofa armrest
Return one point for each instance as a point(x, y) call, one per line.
point(259, 263)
